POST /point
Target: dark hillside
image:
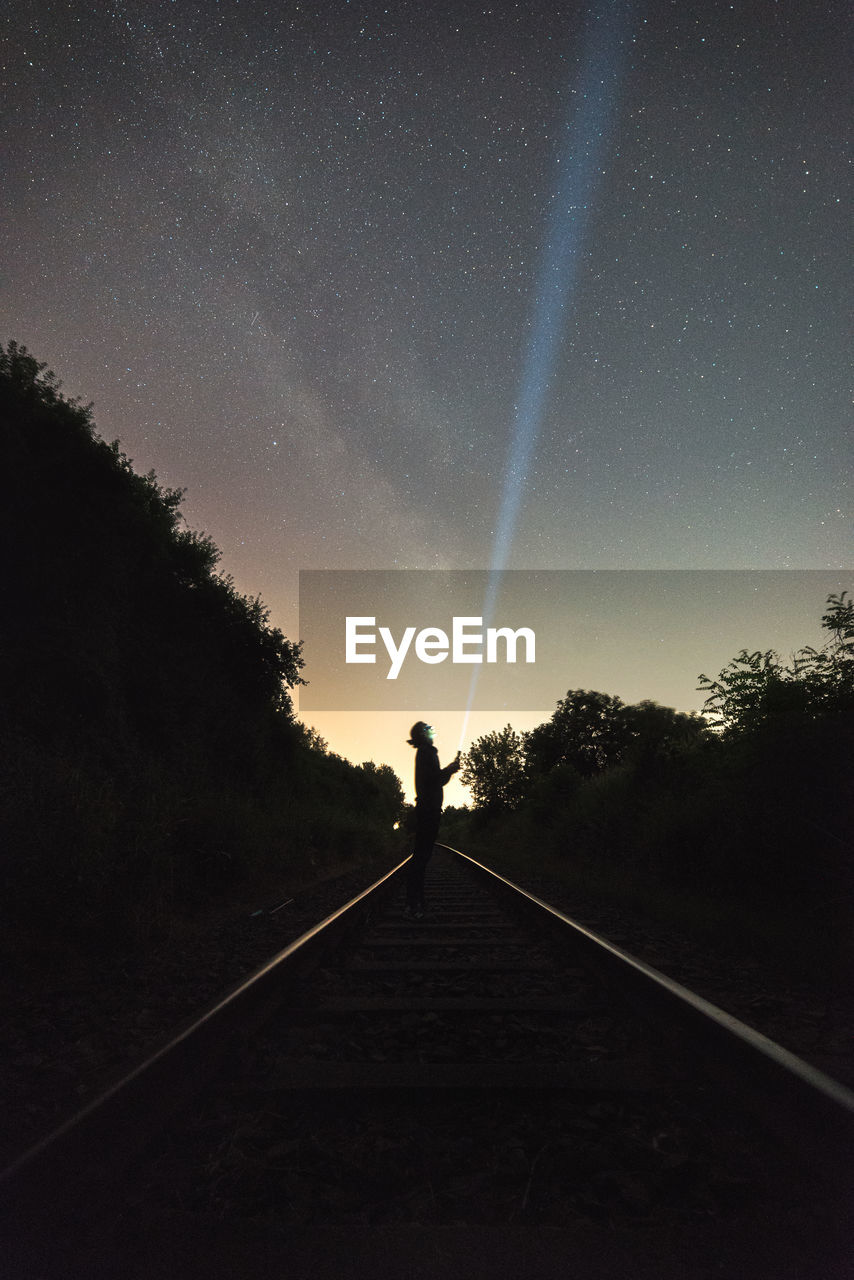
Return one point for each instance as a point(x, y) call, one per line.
point(149, 749)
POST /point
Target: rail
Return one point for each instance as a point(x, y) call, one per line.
point(77, 1164)
point(810, 1112)
point(65, 1177)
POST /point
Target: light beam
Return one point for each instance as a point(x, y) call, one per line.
point(592, 102)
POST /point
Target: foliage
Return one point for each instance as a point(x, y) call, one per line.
point(751, 813)
point(587, 734)
point(586, 731)
point(149, 751)
point(654, 731)
point(383, 789)
point(756, 689)
point(494, 769)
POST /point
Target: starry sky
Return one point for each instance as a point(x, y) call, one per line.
point(302, 257)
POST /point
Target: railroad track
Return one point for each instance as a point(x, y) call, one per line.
point(490, 1091)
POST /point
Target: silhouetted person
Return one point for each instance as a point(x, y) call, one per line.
point(429, 781)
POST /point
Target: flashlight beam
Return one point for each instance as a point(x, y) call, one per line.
point(591, 113)
point(590, 116)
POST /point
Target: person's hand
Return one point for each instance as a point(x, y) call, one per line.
point(457, 765)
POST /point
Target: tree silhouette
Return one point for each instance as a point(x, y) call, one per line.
point(757, 689)
point(587, 731)
point(494, 769)
point(147, 735)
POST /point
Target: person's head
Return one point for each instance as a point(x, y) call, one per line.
point(420, 733)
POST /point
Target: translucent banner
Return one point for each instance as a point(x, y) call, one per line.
point(411, 640)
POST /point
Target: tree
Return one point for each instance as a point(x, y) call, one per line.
point(145, 706)
point(587, 730)
point(383, 791)
point(494, 769)
point(828, 672)
point(656, 731)
point(755, 690)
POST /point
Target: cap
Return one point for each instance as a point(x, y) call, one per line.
point(419, 731)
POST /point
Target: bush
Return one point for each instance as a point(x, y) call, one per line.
point(151, 754)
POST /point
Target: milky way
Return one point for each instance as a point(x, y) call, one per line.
point(292, 254)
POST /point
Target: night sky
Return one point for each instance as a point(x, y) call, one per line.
point(423, 286)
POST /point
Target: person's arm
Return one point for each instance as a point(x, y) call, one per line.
point(449, 769)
